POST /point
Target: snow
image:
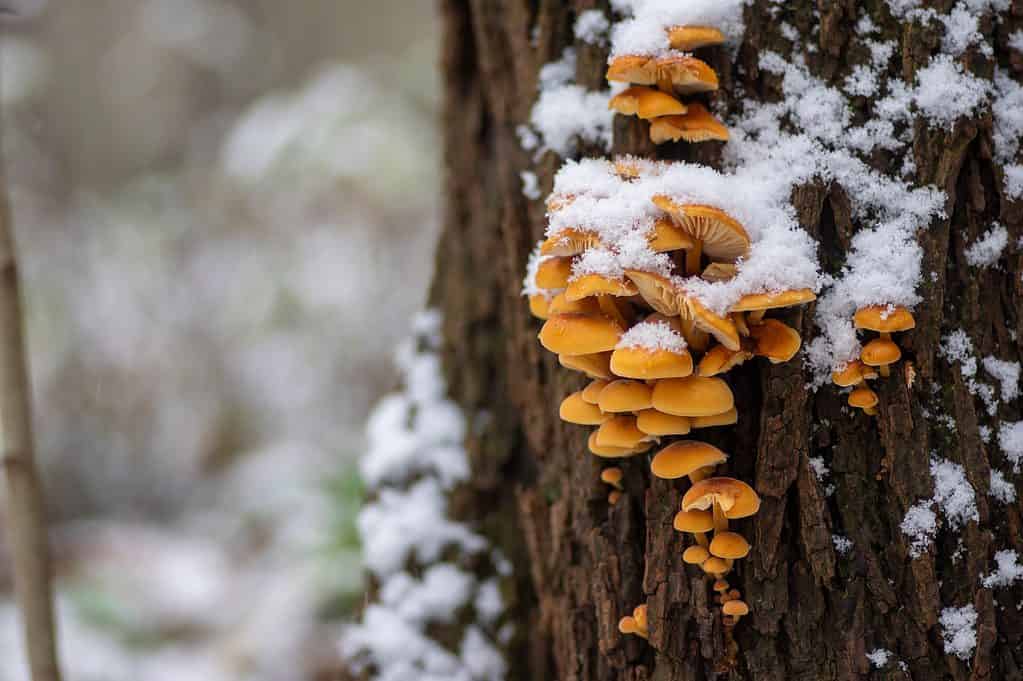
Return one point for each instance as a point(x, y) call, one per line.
point(565, 113)
point(1006, 373)
point(959, 630)
point(920, 524)
point(1007, 572)
point(415, 456)
point(961, 30)
point(879, 657)
point(1014, 181)
point(1016, 41)
point(656, 335)
point(1007, 109)
point(647, 31)
point(1001, 489)
point(530, 185)
point(957, 348)
point(1010, 439)
point(843, 545)
point(988, 249)
point(945, 92)
point(954, 498)
point(592, 26)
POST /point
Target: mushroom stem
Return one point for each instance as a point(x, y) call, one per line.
point(886, 335)
point(701, 538)
point(870, 411)
point(720, 521)
point(700, 474)
point(756, 316)
point(611, 310)
point(693, 256)
point(884, 370)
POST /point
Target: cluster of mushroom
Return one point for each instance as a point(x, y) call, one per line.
point(673, 74)
point(877, 355)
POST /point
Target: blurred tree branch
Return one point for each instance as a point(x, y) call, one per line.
point(26, 521)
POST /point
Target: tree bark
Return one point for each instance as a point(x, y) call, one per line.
point(26, 519)
point(581, 564)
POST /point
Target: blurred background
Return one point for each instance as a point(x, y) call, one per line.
point(211, 200)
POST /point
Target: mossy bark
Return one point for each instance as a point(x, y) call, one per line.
point(582, 564)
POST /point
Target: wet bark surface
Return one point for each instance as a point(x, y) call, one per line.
point(581, 564)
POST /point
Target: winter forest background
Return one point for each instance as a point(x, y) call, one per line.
point(211, 198)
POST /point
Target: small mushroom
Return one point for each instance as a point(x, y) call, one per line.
point(659, 424)
point(574, 409)
point(644, 363)
point(689, 38)
point(620, 431)
point(596, 365)
point(687, 457)
point(884, 319)
point(609, 452)
point(695, 554)
point(646, 103)
point(684, 74)
point(553, 272)
point(720, 359)
point(591, 393)
point(569, 242)
point(633, 68)
point(722, 328)
point(880, 353)
point(725, 418)
point(613, 496)
point(720, 586)
point(612, 476)
point(598, 285)
point(625, 395)
point(717, 234)
point(635, 623)
point(716, 566)
point(695, 126)
point(692, 396)
point(854, 373)
point(776, 341)
point(864, 398)
point(580, 334)
point(729, 545)
point(697, 523)
point(735, 608)
point(666, 236)
point(728, 498)
point(756, 304)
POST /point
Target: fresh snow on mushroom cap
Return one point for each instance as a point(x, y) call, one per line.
point(647, 31)
point(653, 335)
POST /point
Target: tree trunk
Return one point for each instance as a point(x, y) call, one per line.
point(582, 564)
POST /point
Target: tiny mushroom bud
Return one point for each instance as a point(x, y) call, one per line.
point(613, 496)
point(686, 457)
point(776, 341)
point(692, 396)
point(695, 555)
point(553, 272)
point(658, 424)
point(729, 545)
point(597, 365)
point(735, 608)
point(720, 585)
point(880, 353)
point(579, 334)
point(612, 476)
point(625, 395)
point(574, 409)
point(716, 566)
point(591, 393)
point(646, 103)
point(694, 126)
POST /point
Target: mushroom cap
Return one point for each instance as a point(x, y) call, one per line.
point(768, 301)
point(720, 585)
point(863, 398)
point(719, 271)
point(627, 625)
point(659, 292)
point(735, 608)
point(694, 126)
point(776, 341)
point(884, 319)
point(608, 452)
point(658, 424)
point(598, 285)
point(647, 364)
point(612, 475)
point(730, 545)
point(688, 75)
point(539, 305)
point(694, 521)
point(722, 328)
point(646, 103)
point(695, 554)
point(723, 237)
point(569, 242)
point(854, 373)
point(596, 365)
point(693, 396)
point(624, 395)
point(726, 418)
point(716, 566)
point(667, 236)
point(554, 272)
point(736, 498)
point(681, 458)
point(639, 614)
point(591, 393)
point(633, 68)
point(572, 333)
point(613, 496)
point(620, 431)
point(561, 305)
point(880, 352)
point(574, 409)
point(689, 38)
point(720, 359)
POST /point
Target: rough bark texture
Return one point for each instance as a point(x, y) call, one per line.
point(582, 564)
